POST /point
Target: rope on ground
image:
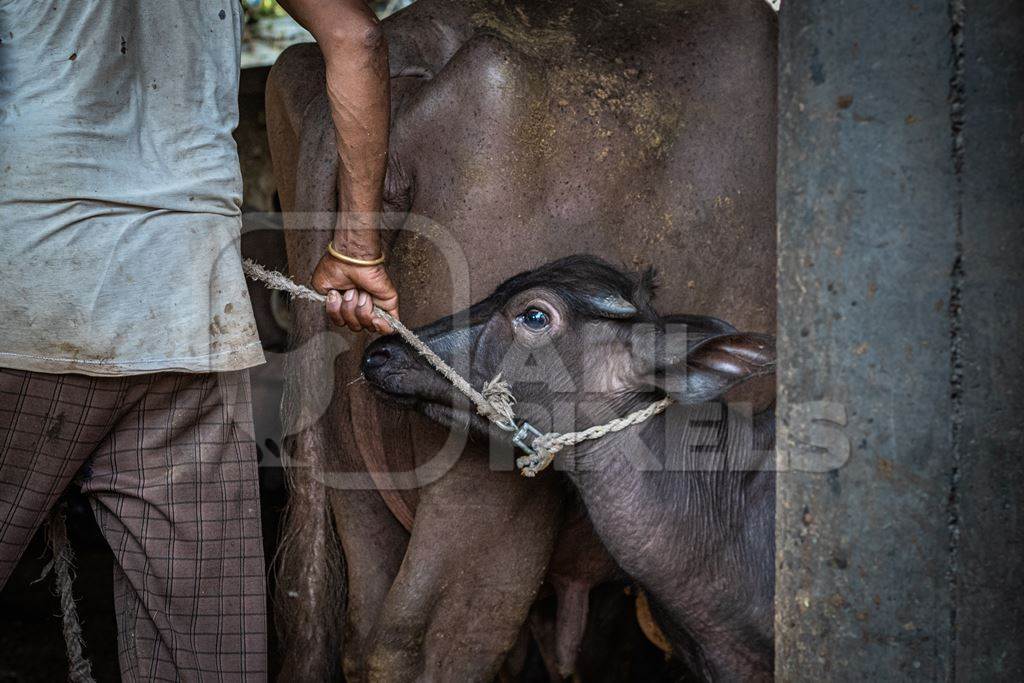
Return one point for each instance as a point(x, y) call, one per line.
point(80, 669)
point(495, 402)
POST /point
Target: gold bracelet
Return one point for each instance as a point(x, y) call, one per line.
point(353, 261)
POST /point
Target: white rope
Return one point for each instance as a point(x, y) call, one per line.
point(495, 402)
point(62, 564)
point(545, 447)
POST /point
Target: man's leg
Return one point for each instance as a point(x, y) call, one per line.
point(175, 492)
point(49, 425)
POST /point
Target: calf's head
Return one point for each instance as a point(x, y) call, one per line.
point(578, 340)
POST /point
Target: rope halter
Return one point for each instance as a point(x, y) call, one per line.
point(494, 402)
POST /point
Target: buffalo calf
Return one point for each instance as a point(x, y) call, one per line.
point(684, 502)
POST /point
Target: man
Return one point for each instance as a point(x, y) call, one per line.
point(127, 330)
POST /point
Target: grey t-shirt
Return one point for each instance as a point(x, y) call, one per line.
point(120, 188)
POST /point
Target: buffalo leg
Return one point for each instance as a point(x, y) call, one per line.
point(477, 556)
point(312, 576)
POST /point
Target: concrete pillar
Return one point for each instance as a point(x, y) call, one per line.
point(901, 229)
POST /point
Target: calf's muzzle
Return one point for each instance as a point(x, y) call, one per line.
point(386, 364)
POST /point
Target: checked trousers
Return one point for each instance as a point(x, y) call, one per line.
point(168, 463)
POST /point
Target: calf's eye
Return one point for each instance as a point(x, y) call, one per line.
point(535, 319)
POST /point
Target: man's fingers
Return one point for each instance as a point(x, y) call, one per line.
point(390, 306)
point(334, 307)
point(354, 309)
point(348, 309)
point(388, 303)
point(364, 310)
point(382, 325)
point(353, 293)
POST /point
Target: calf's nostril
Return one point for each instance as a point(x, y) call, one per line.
point(377, 358)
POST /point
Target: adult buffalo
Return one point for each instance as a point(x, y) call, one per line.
point(521, 132)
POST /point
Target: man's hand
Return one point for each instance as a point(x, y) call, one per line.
point(357, 79)
point(352, 292)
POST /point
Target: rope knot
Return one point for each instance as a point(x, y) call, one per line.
point(544, 449)
point(499, 403)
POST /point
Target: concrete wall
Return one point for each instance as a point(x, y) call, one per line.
point(901, 218)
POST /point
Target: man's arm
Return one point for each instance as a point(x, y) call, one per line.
point(356, 61)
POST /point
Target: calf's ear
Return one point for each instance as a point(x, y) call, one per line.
point(719, 364)
point(708, 368)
